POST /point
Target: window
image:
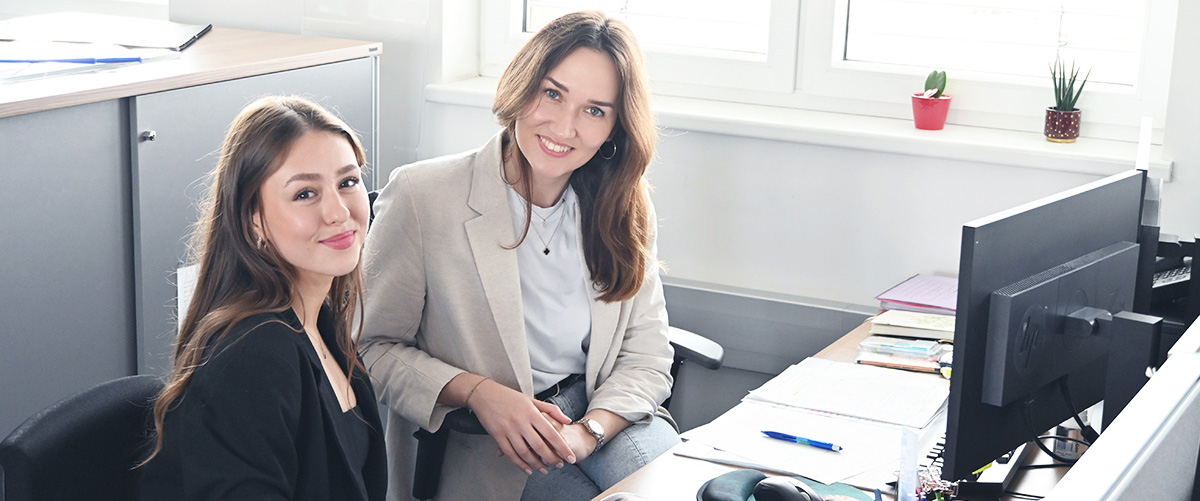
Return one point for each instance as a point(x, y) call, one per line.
point(752, 46)
point(1015, 37)
point(1114, 104)
point(865, 57)
point(679, 25)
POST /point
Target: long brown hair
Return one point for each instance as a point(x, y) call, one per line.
point(613, 201)
point(237, 279)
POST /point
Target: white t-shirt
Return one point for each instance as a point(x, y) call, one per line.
point(554, 289)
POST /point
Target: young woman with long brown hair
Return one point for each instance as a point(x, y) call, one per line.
point(520, 280)
point(267, 398)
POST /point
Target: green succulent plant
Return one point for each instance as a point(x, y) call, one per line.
point(935, 84)
point(1066, 94)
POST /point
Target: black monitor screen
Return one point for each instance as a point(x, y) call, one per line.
point(1022, 273)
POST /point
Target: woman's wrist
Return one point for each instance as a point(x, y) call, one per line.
point(467, 399)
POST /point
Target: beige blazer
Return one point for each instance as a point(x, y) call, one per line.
point(443, 296)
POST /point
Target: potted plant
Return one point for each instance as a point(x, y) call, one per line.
point(1062, 119)
point(930, 107)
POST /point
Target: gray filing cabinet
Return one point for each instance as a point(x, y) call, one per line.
point(66, 283)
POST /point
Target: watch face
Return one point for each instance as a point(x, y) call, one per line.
point(594, 428)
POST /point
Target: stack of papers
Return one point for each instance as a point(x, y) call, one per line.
point(866, 445)
point(857, 391)
point(63, 43)
point(861, 408)
point(83, 27)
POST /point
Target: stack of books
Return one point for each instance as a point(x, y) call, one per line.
point(921, 355)
point(914, 325)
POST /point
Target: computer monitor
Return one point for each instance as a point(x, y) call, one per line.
point(1038, 285)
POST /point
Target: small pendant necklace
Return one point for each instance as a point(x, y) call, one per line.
point(322, 351)
point(546, 241)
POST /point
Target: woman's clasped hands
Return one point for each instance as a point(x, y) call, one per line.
point(527, 431)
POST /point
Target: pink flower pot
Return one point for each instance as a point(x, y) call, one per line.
point(930, 113)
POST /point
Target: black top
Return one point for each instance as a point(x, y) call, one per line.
point(259, 420)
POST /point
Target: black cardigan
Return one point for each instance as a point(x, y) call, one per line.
point(252, 423)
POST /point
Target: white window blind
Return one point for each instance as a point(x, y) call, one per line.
point(1007, 37)
point(679, 25)
point(749, 45)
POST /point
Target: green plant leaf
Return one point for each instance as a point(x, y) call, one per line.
point(1066, 94)
point(936, 81)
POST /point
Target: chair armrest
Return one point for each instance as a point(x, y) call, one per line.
point(463, 420)
point(696, 348)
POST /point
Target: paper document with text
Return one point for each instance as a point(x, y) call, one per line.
point(860, 391)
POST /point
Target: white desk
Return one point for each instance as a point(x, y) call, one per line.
point(676, 478)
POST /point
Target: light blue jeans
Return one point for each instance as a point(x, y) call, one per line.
point(621, 455)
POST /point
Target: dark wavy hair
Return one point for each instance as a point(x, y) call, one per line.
point(237, 279)
point(613, 200)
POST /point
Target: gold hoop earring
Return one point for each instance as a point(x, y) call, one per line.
point(610, 155)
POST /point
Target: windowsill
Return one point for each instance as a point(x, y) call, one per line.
point(888, 135)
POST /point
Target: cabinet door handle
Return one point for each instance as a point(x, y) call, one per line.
point(148, 135)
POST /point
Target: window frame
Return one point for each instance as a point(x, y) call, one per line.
point(815, 78)
point(997, 101)
point(670, 71)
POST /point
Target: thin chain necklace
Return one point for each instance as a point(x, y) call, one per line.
point(557, 207)
point(546, 241)
point(322, 351)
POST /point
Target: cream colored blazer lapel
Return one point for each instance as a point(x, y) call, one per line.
point(497, 267)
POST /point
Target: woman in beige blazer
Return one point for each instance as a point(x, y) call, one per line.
point(520, 280)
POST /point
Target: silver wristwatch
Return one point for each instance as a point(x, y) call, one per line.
point(595, 429)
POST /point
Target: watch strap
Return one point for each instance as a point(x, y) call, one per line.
point(595, 429)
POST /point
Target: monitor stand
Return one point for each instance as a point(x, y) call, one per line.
point(1134, 346)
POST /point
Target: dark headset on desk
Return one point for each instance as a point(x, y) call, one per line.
point(740, 485)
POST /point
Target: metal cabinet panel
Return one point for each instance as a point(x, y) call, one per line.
point(170, 171)
point(66, 277)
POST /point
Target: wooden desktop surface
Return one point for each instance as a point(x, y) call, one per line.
point(221, 54)
point(676, 478)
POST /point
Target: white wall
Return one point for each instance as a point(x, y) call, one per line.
point(815, 221)
point(1181, 141)
point(826, 222)
point(410, 31)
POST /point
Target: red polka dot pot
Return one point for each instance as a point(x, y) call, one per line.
point(1062, 126)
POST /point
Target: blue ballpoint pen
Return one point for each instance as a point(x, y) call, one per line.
point(800, 440)
point(78, 60)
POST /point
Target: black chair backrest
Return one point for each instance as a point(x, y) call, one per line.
point(83, 447)
point(371, 196)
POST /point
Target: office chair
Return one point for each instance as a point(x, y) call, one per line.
point(431, 446)
point(83, 447)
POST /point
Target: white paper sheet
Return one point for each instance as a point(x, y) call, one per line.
point(868, 460)
point(873, 393)
point(866, 445)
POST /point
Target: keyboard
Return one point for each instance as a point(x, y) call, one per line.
point(991, 482)
point(1173, 276)
point(934, 457)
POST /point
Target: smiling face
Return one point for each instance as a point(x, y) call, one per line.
point(570, 117)
point(315, 209)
